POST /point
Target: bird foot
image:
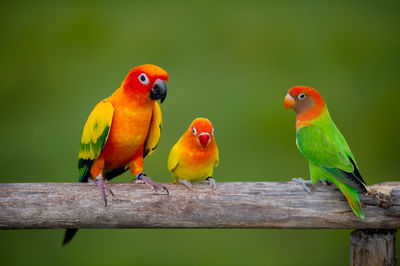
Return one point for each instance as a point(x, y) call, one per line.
point(142, 178)
point(101, 183)
point(212, 182)
point(304, 183)
point(185, 183)
point(323, 182)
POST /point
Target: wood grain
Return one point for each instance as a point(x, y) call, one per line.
point(373, 248)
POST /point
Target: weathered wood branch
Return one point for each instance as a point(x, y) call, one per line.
point(232, 205)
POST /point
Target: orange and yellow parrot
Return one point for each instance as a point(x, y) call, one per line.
point(121, 130)
point(195, 154)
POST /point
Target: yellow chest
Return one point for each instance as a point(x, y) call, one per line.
point(194, 166)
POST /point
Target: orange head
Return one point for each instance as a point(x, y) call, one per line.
point(306, 102)
point(201, 133)
point(147, 79)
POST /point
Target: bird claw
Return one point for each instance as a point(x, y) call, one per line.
point(101, 183)
point(212, 182)
point(323, 182)
point(186, 183)
point(304, 183)
point(142, 178)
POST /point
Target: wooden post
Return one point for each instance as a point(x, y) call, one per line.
point(373, 247)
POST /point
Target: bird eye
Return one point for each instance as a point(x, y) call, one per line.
point(194, 131)
point(212, 132)
point(144, 79)
point(301, 96)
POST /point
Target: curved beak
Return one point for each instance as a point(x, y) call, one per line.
point(204, 138)
point(159, 90)
point(289, 101)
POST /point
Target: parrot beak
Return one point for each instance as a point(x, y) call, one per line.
point(289, 101)
point(204, 139)
point(159, 90)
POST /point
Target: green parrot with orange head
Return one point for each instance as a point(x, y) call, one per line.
point(321, 142)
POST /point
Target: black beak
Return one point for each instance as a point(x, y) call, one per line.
point(159, 90)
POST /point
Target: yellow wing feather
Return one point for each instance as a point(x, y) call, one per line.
point(96, 131)
point(154, 133)
point(173, 158)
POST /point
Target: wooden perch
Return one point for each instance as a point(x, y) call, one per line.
point(232, 205)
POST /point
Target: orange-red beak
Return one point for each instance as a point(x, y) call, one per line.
point(204, 138)
point(289, 101)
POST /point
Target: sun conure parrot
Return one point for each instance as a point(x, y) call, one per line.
point(121, 130)
point(321, 142)
point(195, 154)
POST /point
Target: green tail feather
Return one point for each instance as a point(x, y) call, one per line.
point(351, 195)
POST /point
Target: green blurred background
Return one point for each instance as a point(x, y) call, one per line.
point(231, 62)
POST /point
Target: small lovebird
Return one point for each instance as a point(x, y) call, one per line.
point(195, 155)
point(321, 142)
point(121, 130)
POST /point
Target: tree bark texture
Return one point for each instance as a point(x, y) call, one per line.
point(232, 205)
point(373, 248)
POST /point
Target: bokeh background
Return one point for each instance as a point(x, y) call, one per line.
point(231, 62)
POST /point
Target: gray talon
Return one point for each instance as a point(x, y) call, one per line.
point(101, 183)
point(212, 182)
point(153, 185)
point(303, 183)
point(185, 183)
point(323, 182)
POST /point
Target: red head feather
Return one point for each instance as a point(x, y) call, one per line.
point(136, 83)
point(306, 102)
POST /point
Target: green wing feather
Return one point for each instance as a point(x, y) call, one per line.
point(154, 133)
point(349, 192)
point(323, 144)
point(94, 137)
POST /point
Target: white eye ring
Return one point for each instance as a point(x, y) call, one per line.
point(194, 131)
point(212, 132)
point(301, 96)
point(144, 79)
